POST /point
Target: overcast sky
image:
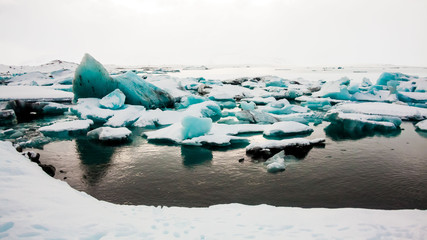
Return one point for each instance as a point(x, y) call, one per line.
point(162, 32)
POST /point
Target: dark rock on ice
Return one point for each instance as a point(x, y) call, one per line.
point(49, 169)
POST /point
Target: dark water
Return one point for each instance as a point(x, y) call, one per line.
point(365, 171)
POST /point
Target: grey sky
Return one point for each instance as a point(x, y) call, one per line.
point(161, 32)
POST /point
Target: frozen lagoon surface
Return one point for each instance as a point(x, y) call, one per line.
point(343, 174)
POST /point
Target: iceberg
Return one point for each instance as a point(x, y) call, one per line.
point(114, 100)
point(92, 80)
point(64, 129)
point(195, 127)
point(276, 163)
point(125, 117)
point(287, 128)
point(110, 134)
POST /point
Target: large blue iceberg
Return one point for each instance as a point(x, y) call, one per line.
point(92, 80)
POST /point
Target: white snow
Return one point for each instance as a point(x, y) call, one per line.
point(33, 92)
point(109, 133)
point(36, 206)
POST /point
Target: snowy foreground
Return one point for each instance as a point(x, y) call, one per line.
point(36, 206)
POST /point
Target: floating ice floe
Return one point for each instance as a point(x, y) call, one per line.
point(66, 128)
point(294, 146)
point(110, 134)
point(92, 80)
point(276, 163)
point(403, 112)
point(247, 105)
point(287, 128)
point(357, 122)
point(422, 125)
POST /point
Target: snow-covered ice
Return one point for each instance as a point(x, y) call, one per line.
point(110, 134)
point(65, 128)
point(287, 128)
point(404, 112)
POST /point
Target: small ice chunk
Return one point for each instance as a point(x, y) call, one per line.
point(110, 134)
point(114, 100)
point(287, 128)
point(195, 127)
point(276, 163)
point(66, 128)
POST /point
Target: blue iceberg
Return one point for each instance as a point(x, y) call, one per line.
point(92, 80)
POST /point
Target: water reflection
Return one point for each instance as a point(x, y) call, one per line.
point(95, 159)
point(422, 133)
point(192, 155)
point(338, 132)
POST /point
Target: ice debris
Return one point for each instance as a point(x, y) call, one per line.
point(255, 116)
point(110, 134)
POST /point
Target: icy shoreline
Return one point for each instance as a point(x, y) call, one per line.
point(37, 206)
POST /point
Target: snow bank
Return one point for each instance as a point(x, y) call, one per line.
point(33, 93)
point(54, 210)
